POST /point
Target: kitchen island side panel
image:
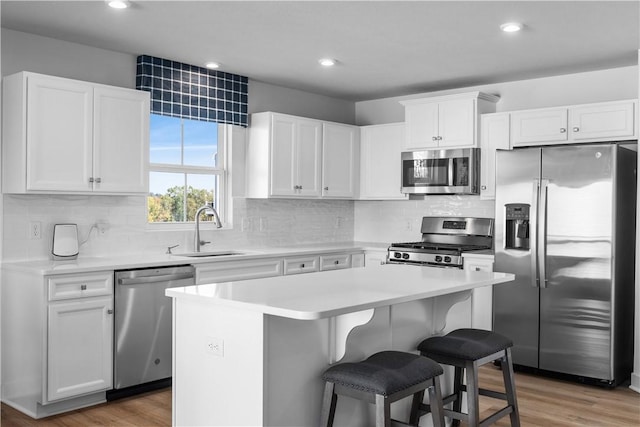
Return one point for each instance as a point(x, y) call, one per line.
point(218, 365)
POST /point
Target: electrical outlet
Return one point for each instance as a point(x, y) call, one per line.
point(35, 230)
point(246, 224)
point(102, 227)
point(214, 346)
point(409, 226)
point(263, 224)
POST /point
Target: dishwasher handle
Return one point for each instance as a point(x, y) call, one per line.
point(154, 279)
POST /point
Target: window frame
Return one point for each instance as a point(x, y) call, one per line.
point(221, 190)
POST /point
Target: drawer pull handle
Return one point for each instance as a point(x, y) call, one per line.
point(83, 287)
point(336, 262)
point(477, 268)
point(302, 265)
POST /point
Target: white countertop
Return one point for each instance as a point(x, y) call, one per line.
point(131, 261)
point(331, 293)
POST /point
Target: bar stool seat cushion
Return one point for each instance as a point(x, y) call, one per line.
point(467, 344)
point(384, 373)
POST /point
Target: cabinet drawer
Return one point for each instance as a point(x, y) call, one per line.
point(237, 270)
point(335, 262)
point(80, 286)
point(299, 265)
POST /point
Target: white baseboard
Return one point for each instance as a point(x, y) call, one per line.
point(635, 382)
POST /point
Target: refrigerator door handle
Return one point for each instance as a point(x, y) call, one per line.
point(533, 224)
point(542, 233)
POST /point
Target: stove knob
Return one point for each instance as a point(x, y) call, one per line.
point(397, 255)
point(438, 258)
point(447, 259)
point(405, 256)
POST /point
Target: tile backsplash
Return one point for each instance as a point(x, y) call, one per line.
point(257, 223)
point(400, 220)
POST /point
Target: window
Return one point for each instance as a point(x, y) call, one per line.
point(186, 169)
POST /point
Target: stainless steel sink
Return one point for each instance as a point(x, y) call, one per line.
point(209, 254)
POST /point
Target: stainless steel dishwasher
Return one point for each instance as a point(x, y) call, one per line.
point(142, 329)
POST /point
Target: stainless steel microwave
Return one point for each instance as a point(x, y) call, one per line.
point(441, 171)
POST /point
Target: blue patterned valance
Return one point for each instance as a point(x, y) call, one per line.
point(187, 91)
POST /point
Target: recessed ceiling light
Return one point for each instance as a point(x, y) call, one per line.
point(118, 4)
point(212, 65)
point(327, 62)
point(511, 27)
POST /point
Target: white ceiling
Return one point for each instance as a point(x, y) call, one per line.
point(384, 48)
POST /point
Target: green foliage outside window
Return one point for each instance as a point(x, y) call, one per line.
point(170, 207)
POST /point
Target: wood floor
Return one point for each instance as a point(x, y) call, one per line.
point(543, 403)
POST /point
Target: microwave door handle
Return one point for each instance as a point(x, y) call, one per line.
point(542, 233)
point(450, 172)
point(533, 229)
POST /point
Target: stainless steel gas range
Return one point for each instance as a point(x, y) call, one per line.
point(444, 239)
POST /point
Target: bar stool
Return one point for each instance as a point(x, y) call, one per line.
point(384, 378)
point(468, 349)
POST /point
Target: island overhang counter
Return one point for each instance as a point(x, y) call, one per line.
point(251, 352)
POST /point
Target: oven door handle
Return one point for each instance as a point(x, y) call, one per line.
point(154, 279)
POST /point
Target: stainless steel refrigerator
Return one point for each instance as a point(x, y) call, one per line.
point(565, 225)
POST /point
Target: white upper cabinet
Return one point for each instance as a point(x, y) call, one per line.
point(296, 157)
point(546, 126)
point(445, 121)
point(606, 121)
point(121, 135)
point(494, 129)
point(284, 155)
point(340, 160)
point(68, 136)
point(380, 165)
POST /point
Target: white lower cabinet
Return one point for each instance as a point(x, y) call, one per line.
point(481, 298)
point(375, 258)
point(57, 340)
point(335, 262)
point(79, 334)
point(79, 347)
point(301, 264)
point(228, 271)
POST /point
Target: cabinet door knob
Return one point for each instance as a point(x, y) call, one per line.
point(98, 180)
point(91, 179)
point(109, 311)
point(477, 268)
point(434, 138)
point(563, 130)
point(439, 138)
point(302, 265)
point(484, 187)
point(336, 262)
point(83, 287)
point(326, 188)
point(576, 129)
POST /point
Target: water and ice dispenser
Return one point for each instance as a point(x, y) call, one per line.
point(517, 226)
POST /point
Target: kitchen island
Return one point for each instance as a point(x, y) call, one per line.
point(252, 352)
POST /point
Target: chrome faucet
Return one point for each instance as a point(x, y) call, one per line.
point(209, 210)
